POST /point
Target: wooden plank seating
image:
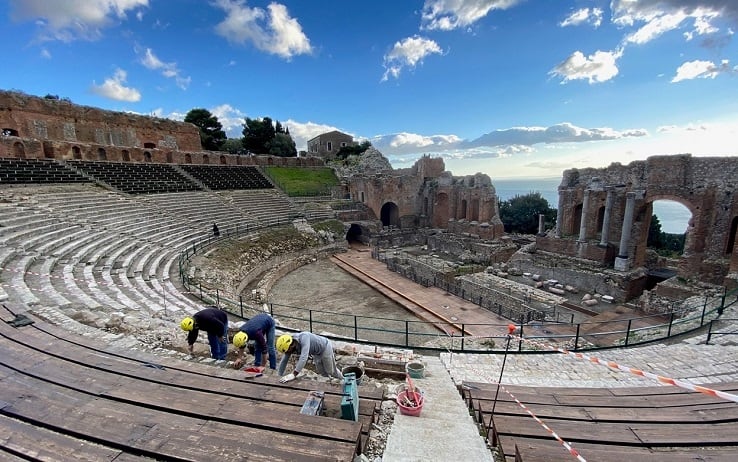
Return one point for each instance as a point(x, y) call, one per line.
point(67, 384)
point(607, 424)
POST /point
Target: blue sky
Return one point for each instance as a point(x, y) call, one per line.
point(510, 88)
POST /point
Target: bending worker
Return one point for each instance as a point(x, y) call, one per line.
point(260, 329)
point(307, 344)
point(215, 323)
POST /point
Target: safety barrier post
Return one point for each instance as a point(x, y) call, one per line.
point(576, 338)
point(240, 304)
point(709, 333)
point(356, 329)
point(627, 333)
point(704, 309)
point(463, 334)
point(310, 322)
point(200, 284)
point(407, 334)
point(671, 322)
point(520, 342)
point(217, 297)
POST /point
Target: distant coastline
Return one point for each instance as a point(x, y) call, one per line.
point(673, 216)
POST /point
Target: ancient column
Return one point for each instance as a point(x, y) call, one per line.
point(606, 218)
point(621, 262)
point(559, 217)
point(540, 224)
point(585, 213)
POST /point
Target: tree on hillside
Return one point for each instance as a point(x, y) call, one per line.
point(263, 136)
point(258, 135)
point(358, 150)
point(283, 145)
point(520, 214)
point(666, 244)
point(232, 145)
point(212, 135)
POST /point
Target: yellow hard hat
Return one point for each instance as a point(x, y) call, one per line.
point(240, 339)
point(283, 343)
point(187, 324)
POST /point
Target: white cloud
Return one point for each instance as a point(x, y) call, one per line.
point(45, 53)
point(114, 88)
point(230, 118)
point(453, 14)
point(271, 30)
point(599, 67)
point(583, 16)
point(408, 52)
point(560, 133)
point(68, 20)
point(661, 16)
point(700, 70)
point(405, 143)
point(168, 70)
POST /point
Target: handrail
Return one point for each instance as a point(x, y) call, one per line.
point(415, 333)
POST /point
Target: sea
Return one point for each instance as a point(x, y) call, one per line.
point(673, 216)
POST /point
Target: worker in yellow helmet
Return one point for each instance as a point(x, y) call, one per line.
point(307, 344)
point(260, 329)
point(213, 321)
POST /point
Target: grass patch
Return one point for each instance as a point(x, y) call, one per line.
point(303, 181)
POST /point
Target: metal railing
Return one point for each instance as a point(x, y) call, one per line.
point(423, 335)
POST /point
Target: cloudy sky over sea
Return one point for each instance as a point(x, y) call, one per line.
point(511, 88)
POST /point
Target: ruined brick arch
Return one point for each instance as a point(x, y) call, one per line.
point(576, 221)
point(474, 215)
point(462, 210)
point(223, 160)
point(101, 154)
point(188, 158)
point(205, 159)
point(76, 152)
point(440, 211)
point(126, 155)
point(19, 150)
point(390, 214)
point(147, 156)
point(170, 157)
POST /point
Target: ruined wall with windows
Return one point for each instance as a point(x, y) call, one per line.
point(45, 128)
point(426, 195)
point(604, 214)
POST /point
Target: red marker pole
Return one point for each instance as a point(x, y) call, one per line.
point(510, 330)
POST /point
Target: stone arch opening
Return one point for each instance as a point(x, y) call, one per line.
point(354, 233)
point(223, 160)
point(147, 156)
point(125, 155)
point(462, 212)
point(576, 223)
point(10, 132)
point(149, 145)
point(101, 154)
point(205, 159)
point(600, 220)
point(390, 215)
point(19, 150)
point(474, 210)
point(76, 152)
point(170, 157)
point(188, 158)
point(440, 211)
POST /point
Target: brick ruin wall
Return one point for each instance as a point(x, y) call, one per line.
point(705, 185)
point(427, 196)
point(42, 128)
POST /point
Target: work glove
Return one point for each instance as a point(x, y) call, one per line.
point(288, 377)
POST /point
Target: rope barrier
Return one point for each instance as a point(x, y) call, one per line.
point(634, 371)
